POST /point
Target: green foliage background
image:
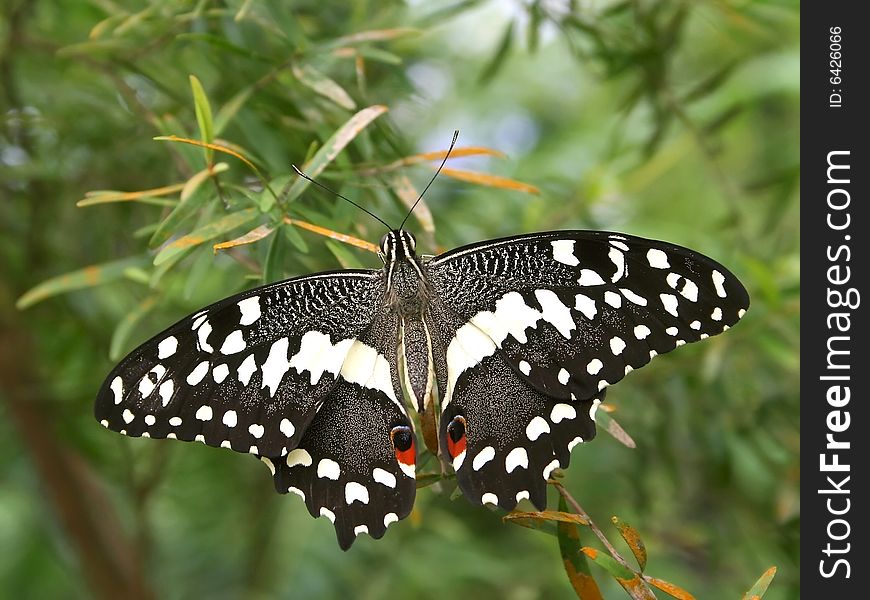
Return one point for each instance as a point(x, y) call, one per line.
point(675, 120)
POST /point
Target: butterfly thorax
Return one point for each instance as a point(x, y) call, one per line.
point(406, 292)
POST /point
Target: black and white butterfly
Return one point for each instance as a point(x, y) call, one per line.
point(521, 336)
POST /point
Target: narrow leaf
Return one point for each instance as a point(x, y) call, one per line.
point(203, 116)
point(252, 236)
point(83, 278)
point(576, 565)
point(226, 112)
point(669, 588)
point(345, 258)
point(335, 144)
point(104, 196)
point(489, 180)
point(375, 35)
point(406, 192)
point(216, 147)
point(630, 581)
point(632, 538)
point(323, 85)
point(495, 63)
point(615, 429)
point(206, 233)
point(758, 590)
point(193, 198)
point(125, 327)
point(333, 235)
point(524, 518)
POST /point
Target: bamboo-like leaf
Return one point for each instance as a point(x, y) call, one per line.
point(193, 198)
point(527, 519)
point(407, 193)
point(374, 35)
point(205, 233)
point(252, 236)
point(333, 235)
point(438, 155)
point(576, 565)
point(759, 588)
point(105, 196)
point(632, 538)
point(273, 267)
point(495, 63)
point(427, 479)
point(630, 581)
point(125, 327)
point(203, 116)
point(489, 180)
point(216, 147)
point(335, 144)
point(669, 588)
point(323, 85)
point(83, 278)
point(609, 424)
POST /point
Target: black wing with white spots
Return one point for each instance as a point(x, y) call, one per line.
point(267, 372)
point(534, 328)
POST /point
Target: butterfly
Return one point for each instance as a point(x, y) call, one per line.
point(521, 336)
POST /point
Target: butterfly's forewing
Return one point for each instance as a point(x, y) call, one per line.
point(569, 312)
point(297, 361)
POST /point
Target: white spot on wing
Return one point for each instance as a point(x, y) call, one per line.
point(127, 416)
point(167, 347)
point(632, 297)
point(696, 325)
point(641, 332)
point(483, 457)
point(740, 313)
point(299, 456)
point(555, 313)
point(672, 331)
point(718, 283)
point(617, 345)
point(562, 411)
point(617, 244)
point(548, 470)
point(489, 498)
point(204, 413)
point(585, 305)
point(390, 518)
point(384, 477)
point(230, 419)
point(594, 408)
point(317, 354)
point(297, 491)
point(525, 367)
point(536, 428)
point(618, 259)
point(716, 315)
point(516, 458)
point(276, 365)
point(563, 252)
point(458, 460)
point(198, 373)
point(287, 428)
point(165, 391)
point(671, 304)
point(523, 495)
point(360, 529)
point(588, 277)
point(175, 421)
point(325, 512)
point(234, 343)
point(365, 366)
point(356, 492)
point(250, 309)
point(220, 372)
point(328, 469)
point(117, 388)
point(563, 376)
point(256, 430)
point(613, 299)
point(269, 464)
point(247, 369)
point(594, 366)
point(657, 259)
point(573, 443)
point(202, 336)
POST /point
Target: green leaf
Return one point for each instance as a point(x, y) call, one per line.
point(499, 56)
point(226, 112)
point(604, 420)
point(758, 590)
point(205, 233)
point(203, 116)
point(344, 256)
point(273, 267)
point(576, 565)
point(323, 85)
point(193, 197)
point(118, 345)
point(77, 280)
point(295, 238)
point(608, 563)
point(335, 144)
point(632, 538)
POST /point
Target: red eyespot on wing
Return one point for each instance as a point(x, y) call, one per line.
point(403, 444)
point(456, 436)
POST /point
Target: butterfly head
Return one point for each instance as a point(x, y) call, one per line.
point(398, 245)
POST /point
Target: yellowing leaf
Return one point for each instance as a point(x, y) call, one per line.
point(323, 85)
point(669, 588)
point(759, 588)
point(105, 196)
point(252, 236)
point(632, 538)
point(489, 180)
point(216, 147)
point(333, 235)
point(206, 233)
point(527, 519)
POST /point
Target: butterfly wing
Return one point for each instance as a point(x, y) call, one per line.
point(275, 371)
point(558, 317)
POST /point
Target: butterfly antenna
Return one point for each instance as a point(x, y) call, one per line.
point(441, 166)
point(332, 191)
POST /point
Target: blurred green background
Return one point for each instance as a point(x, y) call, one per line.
point(674, 120)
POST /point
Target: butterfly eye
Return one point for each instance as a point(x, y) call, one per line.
point(403, 443)
point(456, 436)
point(384, 239)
